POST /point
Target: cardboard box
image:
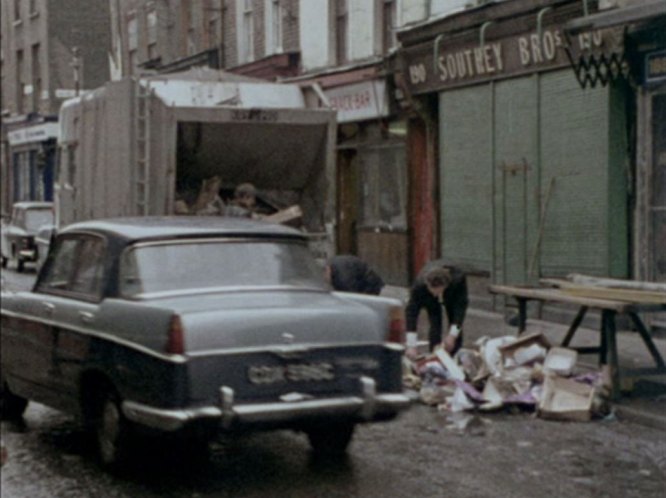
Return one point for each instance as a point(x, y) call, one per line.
point(560, 361)
point(526, 349)
point(565, 399)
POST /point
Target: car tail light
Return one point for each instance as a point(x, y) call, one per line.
point(176, 338)
point(396, 331)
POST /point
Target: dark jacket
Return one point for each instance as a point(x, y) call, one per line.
point(352, 274)
point(456, 299)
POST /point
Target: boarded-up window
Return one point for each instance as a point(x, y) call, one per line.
point(384, 187)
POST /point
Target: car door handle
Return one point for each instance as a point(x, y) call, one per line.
point(86, 317)
point(48, 308)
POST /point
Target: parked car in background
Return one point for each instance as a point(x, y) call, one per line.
point(17, 237)
point(194, 325)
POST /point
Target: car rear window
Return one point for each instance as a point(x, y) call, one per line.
point(192, 265)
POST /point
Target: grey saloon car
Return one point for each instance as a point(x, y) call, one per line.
point(194, 326)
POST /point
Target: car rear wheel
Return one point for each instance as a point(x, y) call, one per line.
point(112, 431)
point(331, 439)
point(11, 405)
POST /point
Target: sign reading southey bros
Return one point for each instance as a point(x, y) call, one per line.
point(472, 63)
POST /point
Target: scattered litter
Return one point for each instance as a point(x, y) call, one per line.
point(524, 444)
point(459, 401)
point(510, 374)
point(565, 399)
point(611, 417)
point(490, 351)
point(433, 394)
point(525, 351)
point(560, 361)
point(451, 366)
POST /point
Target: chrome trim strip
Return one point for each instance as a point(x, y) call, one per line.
point(280, 349)
point(166, 420)
point(99, 335)
point(171, 420)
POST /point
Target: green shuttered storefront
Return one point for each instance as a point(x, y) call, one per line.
point(533, 176)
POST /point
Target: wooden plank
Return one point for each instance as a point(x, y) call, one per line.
point(543, 294)
point(285, 215)
point(616, 283)
point(629, 295)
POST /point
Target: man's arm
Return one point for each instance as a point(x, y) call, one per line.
point(416, 302)
point(456, 301)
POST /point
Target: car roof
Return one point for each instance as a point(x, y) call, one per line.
point(161, 227)
point(33, 205)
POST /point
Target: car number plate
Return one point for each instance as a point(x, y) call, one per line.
point(295, 372)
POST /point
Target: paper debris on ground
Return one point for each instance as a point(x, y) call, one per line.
point(523, 373)
point(565, 399)
point(560, 361)
point(451, 366)
point(525, 350)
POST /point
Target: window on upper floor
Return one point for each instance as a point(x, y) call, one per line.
point(213, 32)
point(151, 26)
point(246, 39)
point(273, 11)
point(33, 7)
point(17, 10)
point(151, 32)
point(132, 61)
point(132, 33)
point(388, 23)
point(19, 81)
point(36, 76)
point(213, 22)
point(341, 30)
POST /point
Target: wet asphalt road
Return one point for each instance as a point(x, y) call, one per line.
point(422, 454)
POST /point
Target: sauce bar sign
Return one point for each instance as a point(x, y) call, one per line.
point(428, 70)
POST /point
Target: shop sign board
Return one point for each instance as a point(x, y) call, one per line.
point(359, 101)
point(449, 66)
point(30, 134)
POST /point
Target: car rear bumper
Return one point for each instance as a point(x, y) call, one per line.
point(365, 407)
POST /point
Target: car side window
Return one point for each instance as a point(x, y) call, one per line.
point(59, 273)
point(77, 268)
point(89, 272)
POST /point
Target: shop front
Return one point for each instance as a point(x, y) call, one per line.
point(531, 169)
point(31, 146)
point(641, 58)
point(371, 178)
